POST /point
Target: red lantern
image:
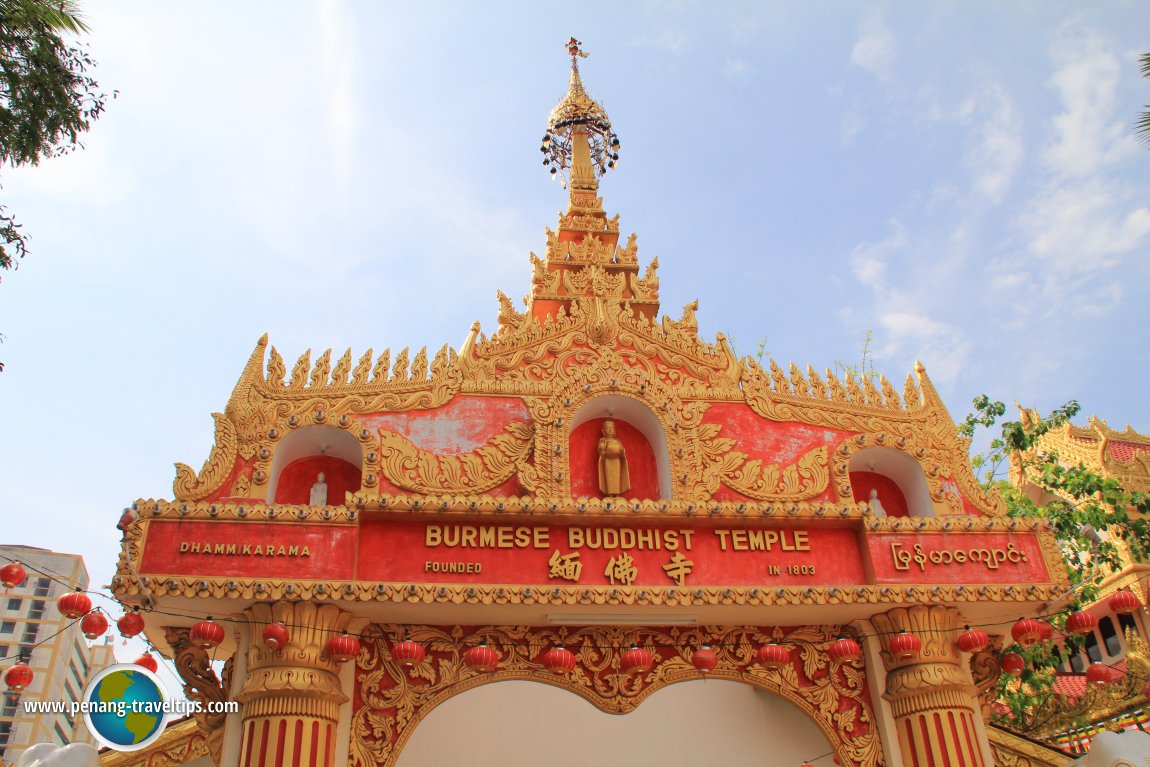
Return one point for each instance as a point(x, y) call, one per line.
point(74, 604)
point(148, 661)
point(1099, 675)
point(1012, 663)
point(905, 645)
point(844, 651)
point(1123, 602)
point(1080, 623)
point(408, 653)
point(773, 656)
point(1026, 631)
point(130, 624)
point(206, 634)
point(12, 575)
point(1047, 631)
point(481, 658)
point(973, 640)
point(94, 624)
point(276, 635)
point(636, 661)
point(705, 659)
point(342, 648)
point(559, 660)
point(18, 677)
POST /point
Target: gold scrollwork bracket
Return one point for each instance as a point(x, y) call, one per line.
point(200, 684)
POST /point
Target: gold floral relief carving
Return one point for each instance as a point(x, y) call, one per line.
point(1011, 750)
point(200, 685)
point(395, 699)
point(596, 281)
point(592, 249)
point(509, 316)
point(181, 743)
point(132, 588)
point(190, 486)
point(543, 280)
point(808, 477)
point(410, 468)
point(646, 288)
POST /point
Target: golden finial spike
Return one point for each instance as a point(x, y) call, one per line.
point(300, 369)
point(362, 368)
point(319, 373)
point(579, 138)
point(342, 369)
point(276, 369)
point(382, 366)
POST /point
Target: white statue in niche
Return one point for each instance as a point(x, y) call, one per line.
point(875, 503)
point(319, 492)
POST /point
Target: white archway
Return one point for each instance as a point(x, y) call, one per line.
point(526, 724)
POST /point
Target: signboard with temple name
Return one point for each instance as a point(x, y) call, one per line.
point(383, 550)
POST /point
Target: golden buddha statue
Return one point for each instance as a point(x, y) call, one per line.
point(613, 476)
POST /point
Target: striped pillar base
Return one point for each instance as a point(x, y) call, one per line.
point(287, 741)
point(939, 738)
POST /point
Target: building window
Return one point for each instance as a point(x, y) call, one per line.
point(26, 652)
point(37, 610)
point(1126, 622)
point(14, 603)
point(1077, 664)
point(1092, 651)
point(42, 585)
point(7, 627)
point(1110, 637)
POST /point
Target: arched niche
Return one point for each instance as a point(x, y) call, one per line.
point(896, 476)
point(641, 433)
point(525, 724)
point(305, 452)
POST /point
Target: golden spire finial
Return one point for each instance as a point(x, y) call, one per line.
point(579, 139)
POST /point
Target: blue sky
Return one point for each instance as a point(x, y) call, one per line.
point(959, 178)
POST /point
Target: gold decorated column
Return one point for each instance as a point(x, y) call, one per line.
point(934, 704)
point(291, 697)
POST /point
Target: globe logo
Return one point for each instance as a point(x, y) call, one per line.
point(124, 707)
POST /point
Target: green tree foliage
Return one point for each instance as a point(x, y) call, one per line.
point(1091, 515)
point(47, 95)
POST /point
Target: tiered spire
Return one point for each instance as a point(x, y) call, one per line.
point(584, 257)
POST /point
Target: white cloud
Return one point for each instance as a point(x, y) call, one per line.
point(869, 260)
point(1083, 221)
point(736, 68)
point(1080, 228)
point(1088, 137)
point(875, 50)
point(852, 125)
point(998, 149)
point(943, 346)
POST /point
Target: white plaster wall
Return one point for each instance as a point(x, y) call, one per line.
point(690, 724)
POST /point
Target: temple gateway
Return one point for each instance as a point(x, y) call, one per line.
point(590, 536)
